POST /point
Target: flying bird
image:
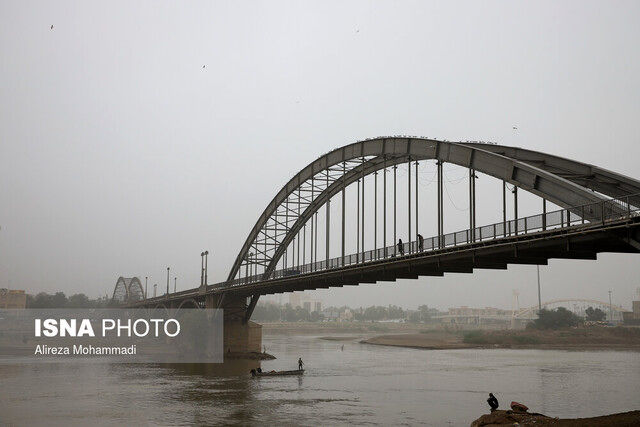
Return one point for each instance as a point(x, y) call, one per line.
point(52, 26)
point(203, 66)
point(515, 128)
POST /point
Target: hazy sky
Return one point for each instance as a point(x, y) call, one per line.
point(121, 155)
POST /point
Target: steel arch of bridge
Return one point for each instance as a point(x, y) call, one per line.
point(128, 289)
point(564, 182)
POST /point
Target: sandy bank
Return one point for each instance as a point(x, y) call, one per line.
point(312, 328)
point(430, 341)
point(566, 339)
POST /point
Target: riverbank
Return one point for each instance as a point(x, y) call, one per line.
point(592, 338)
point(313, 328)
point(500, 418)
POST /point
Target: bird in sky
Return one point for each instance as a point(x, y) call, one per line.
point(515, 128)
point(203, 66)
point(52, 26)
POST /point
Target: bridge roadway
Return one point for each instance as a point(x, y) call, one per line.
point(575, 241)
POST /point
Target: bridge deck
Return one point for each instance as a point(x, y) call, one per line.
point(579, 241)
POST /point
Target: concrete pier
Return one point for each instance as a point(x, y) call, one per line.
point(241, 338)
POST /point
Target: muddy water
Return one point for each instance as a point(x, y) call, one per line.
point(361, 384)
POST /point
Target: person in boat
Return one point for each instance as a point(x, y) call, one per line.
point(400, 247)
point(493, 402)
point(300, 364)
point(420, 242)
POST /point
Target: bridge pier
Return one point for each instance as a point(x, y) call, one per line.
point(241, 338)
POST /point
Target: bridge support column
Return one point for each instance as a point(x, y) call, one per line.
point(240, 337)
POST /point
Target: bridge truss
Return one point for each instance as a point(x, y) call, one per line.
point(599, 211)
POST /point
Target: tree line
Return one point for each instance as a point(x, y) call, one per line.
point(60, 300)
point(563, 318)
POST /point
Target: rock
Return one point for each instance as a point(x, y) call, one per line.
point(501, 418)
point(518, 407)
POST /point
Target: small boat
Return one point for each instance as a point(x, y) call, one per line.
point(254, 373)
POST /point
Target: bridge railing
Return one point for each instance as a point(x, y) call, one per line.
point(577, 216)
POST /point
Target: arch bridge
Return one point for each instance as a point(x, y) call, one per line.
point(128, 290)
point(306, 237)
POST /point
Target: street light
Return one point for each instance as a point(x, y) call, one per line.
point(146, 278)
point(250, 265)
point(175, 284)
point(168, 268)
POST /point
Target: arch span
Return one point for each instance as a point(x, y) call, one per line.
point(328, 175)
point(127, 290)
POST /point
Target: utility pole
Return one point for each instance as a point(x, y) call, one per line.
point(539, 299)
point(610, 307)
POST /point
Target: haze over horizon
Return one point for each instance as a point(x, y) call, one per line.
point(127, 148)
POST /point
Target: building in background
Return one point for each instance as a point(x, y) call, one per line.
point(299, 299)
point(12, 298)
point(475, 316)
point(633, 317)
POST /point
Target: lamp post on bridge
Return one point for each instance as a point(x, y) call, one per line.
point(201, 269)
point(168, 269)
point(146, 295)
point(206, 267)
point(175, 284)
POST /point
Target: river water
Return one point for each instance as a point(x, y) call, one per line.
point(361, 385)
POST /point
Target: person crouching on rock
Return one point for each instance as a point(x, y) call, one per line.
point(493, 402)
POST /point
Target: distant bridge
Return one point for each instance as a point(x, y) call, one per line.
point(290, 246)
point(128, 290)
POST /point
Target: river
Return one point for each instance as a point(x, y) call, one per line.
point(360, 385)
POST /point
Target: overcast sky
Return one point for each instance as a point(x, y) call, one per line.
point(134, 135)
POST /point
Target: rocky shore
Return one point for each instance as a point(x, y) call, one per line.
point(502, 418)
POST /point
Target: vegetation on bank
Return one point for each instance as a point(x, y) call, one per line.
point(555, 319)
point(580, 336)
point(556, 327)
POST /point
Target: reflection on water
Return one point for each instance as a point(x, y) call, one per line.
point(361, 385)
